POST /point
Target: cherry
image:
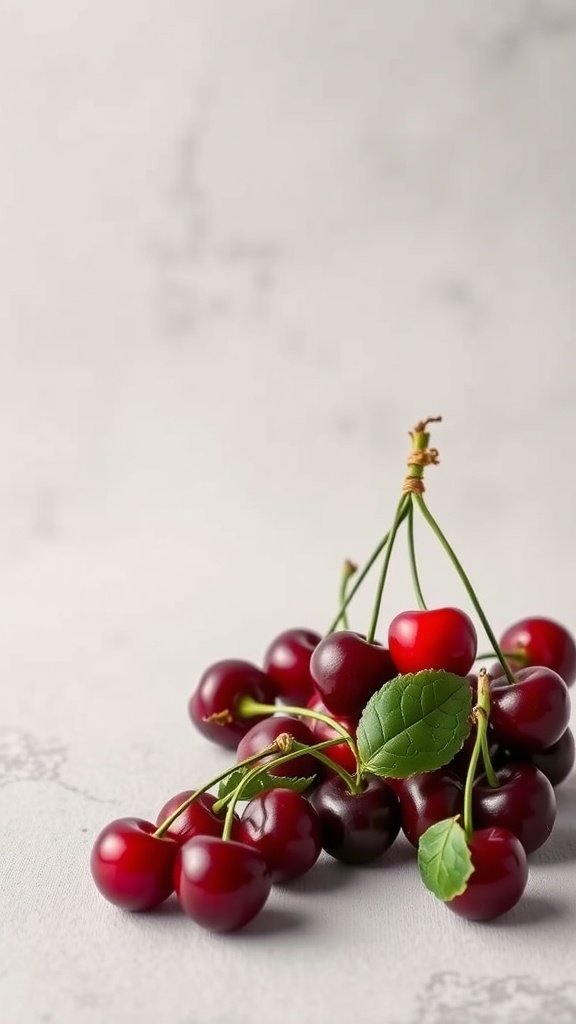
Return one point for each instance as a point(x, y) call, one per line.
point(532, 713)
point(347, 670)
point(442, 638)
point(524, 803)
point(341, 752)
point(557, 761)
point(499, 877)
point(266, 731)
point(357, 828)
point(284, 827)
point(212, 706)
point(221, 884)
point(427, 798)
point(130, 866)
point(287, 662)
point(197, 820)
point(539, 641)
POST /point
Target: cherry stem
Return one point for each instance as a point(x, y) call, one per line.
point(467, 584)
point(489, 772)
point(163, 828)
point(519, 656)
point(348, 570)
point(413, 563)
point(361, 576)
point(247, 707)
point(259, 769)
point(481, 715)
point(401, 513)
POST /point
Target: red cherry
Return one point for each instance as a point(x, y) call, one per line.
point(347, 670)
point(130, 866)
point(212, 706)
point(499, 877)
point(287, 662)
point(356, 828)
point(557, 761)
point(532, 713)
point(524, 803)
point(221, 884)
point(442, 638)
point(266, 731)
point(197, 820)
point(341, 752)
point(540, 641)
point(427, 798)
point(285, 828)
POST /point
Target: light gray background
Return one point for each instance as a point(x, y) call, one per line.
point(244, 246)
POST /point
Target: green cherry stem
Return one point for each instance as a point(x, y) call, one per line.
point(489, 772)
point(481, 714)
point(348, 570)
point(259, 769)
point(413, 562)
point(163, 828)
point(519, 656)
point(247, 707)
point(401, 512)
point(467, 584)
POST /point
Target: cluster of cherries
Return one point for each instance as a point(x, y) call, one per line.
point(222, 883)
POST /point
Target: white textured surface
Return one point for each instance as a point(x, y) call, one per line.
point(244, 246)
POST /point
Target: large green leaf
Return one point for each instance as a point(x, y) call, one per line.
point(444, 859)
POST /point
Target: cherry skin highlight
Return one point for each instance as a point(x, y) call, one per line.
point(284, 827)
point(499, 877)
point(287, 662)
point(341, 752)
point(212, 706)
point(531, 714)
point(441, 638)
point(130, 866)
point(428, 798)
point(356, 829)
point(347, 670)
point(524, 803)
point(541, 641)
point(221, 884)
point(266, 731)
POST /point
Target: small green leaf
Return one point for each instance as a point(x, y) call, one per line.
point(415, 723)
point(261, 783)
point(444, 859)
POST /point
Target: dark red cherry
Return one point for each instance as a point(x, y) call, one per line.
point(287, 662)
point(428, 798)
point(131, 867)
point(213, 705)
point(341, 752)
point(347, 670)
point(197, 820)
point(524, 803)
point(499, 877)
point(266, 731)
point(284, 827)
point(531, 714)
point(441, 638)
point(356, 828)
point(557, 761)
point(221, 884)
point(539, 641)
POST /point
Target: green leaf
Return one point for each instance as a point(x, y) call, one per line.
point(261, 783)
point(415, 723)
point(444, 859)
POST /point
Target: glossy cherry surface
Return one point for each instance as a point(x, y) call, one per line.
point(541, 641)
point(441, 638)
point(212, 706)
point(557, 761)
point(132, 868)
point(347, 670)
point(428, 798)
point(357, 828)
point(524, 803)
point(321, 731)
point(266, 731)
point(284, 827)
point(532, 713)
point(287, 662)
point(221, 884)
point(499, 877)
point(197, 820)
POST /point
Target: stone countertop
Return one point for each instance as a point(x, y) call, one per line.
point(244, 248)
